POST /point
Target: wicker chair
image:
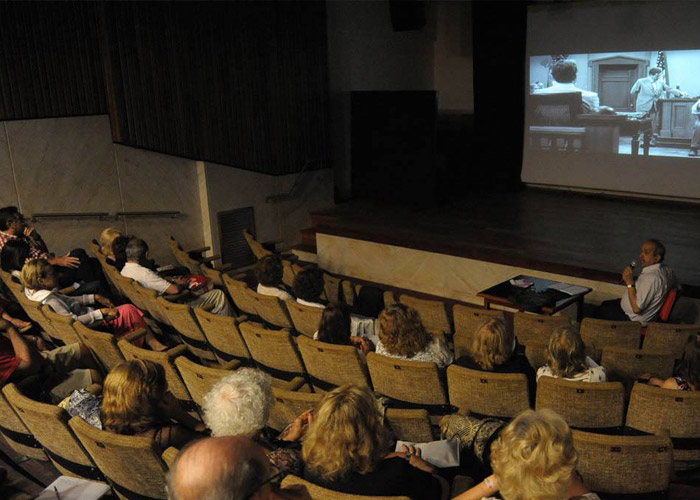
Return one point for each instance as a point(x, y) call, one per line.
point(331, 287)
point(169, 456)
point(200, 379)
point(103, 345)
point(149, 300)
point(410, 425)
point(16, 434)
point(535, 354)
point(224, 337)
point(618, 465)
point(182, 319)
point(34, 312)
point(389, 297)
point(502, 395)
point(184, 258)
point(349, 293)
point(16, 288)
point(536, 328)
point(668, 337)
point(272, 310)
point(130, 463)
point(467, 319)
point(167, 360)
point(63, 330)
point(433, 313)
point(306, 319)
point(320, 493)
point(255, 246)
point(626, 364)
point(289, 272)
point(49, 425)
point(241, 294)
point(330, 365)
point(655, 410)
point(275, 353)
point(599, 334)
point(215, 275)
point(409, 384)
point(289, 404)
point(598, 407)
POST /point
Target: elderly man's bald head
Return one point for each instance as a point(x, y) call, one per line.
point(223, 468)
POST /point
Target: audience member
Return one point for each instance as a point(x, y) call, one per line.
point(226, 468)
point(494, 350)
point(564, 73)
point(40, 283)
point(239, 405)
point(402, 335)
point(135, 269)
point(136, 402)
point(335, 328)
point(308, 286)
point(533, 459)
point(687, 372)
point(268, 272)
point(566, 358)
point(63, 369)
point(642, 300)
point(118, 258)
point(346, 449)
point(107, 238)
point(74, 267)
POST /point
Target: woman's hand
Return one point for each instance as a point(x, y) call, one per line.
point(362, 343)
point(109, 314)
point(413, 455)
point(99, 299)
point(297, 429)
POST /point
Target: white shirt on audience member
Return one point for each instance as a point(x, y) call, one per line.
point(310, 304)
point(274, 291)
point(593, 373)
point(653, 284)
point(145, 277)
point(437, 352)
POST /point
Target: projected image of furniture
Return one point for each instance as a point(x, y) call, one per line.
point(676, 122)
point(605, 131)
point(553, 122)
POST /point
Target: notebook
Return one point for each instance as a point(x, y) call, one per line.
point(73, 488)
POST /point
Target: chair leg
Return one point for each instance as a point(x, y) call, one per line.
point(5, 458)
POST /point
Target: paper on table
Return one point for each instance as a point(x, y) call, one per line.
point(568, 289)
point(73, 488)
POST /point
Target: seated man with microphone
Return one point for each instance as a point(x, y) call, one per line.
point(643, 299)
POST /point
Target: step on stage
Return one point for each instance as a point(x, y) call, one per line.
point(456, 250)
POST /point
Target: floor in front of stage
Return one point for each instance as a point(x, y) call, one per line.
point(568, 233)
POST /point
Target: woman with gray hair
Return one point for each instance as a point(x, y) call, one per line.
point(240, 404)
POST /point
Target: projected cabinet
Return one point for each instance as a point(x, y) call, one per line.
point(676, 122)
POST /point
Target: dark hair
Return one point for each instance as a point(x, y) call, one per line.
point(136, 249)
point(308, 284)
point(269, 270)
point(119, 248)
point(689, 365)
point(659, 249)
point(564, 71)
point(654, 71)
point(14, 254)
point(7, 216)
point(335, 324)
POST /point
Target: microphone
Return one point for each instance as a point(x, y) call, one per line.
point(633, 264)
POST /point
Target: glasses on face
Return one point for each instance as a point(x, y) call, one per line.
point(259, 487)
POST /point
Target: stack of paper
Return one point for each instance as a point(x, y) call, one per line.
point(73, 488)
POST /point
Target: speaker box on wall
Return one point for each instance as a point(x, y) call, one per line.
point(407, 15)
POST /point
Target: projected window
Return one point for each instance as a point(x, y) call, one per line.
point(630, 103)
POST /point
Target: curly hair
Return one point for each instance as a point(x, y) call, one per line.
point(689, 365)
point(308, 284)
point(268, 270)
point(534, 457)
point(347, 434)
point(565, 352)
point(131, 394)
point(564, 71)
point(493, 344)
point(107, 238)
point(239, 404)
point(335, 324)
point(402, 332)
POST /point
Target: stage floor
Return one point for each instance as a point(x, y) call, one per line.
point(566, 233)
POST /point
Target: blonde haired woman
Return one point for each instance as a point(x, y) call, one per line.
point(494, 350)
point(566, 358)
point(533, 459)
point(107, 238)
point(136, 402)
point(402, 335)
point(346, 449)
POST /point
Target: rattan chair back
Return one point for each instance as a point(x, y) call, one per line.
point(410, 384)
point(668, 337)
point(624, 464)
point(467, 320)
point(535, 354)
point(599, 334)
point(183, 257)
point(330, 365)
point(62, 326)
point(169, 456)
point(272, 310)
point(626, 364)
point(389, 297)
point(183, 320)
point(33, 310)
point(12, 285)
point(103, 346)
point(255, 246)
point(599, 407)
point(349, 293)
point(149, 300)
point(241, 294)
point(331, 287)
point(215, 275)
point(223, 336)
point(490, 394)
point(433, 313)
point(49, 425)
point(289, 272)
point(289, 405)
point(410, 425)
point(16, 434)
point(199, 379)
point(131, 463)
point(536, 328)
point(306, 319)
point(320, 493)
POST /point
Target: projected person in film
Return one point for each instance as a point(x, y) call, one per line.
point(646, 91)
point(564, 73)
point(695, 142)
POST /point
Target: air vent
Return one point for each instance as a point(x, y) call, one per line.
point(233, 245)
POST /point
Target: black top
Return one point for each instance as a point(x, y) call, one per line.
point(392, 477)
point(517, 363)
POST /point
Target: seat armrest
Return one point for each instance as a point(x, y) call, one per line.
point(240, 319)
point(169, 456)
point(177, 297)
point(176, 351)
point(198, 250)
point(130, 337)
point(234, 364)
point(204, 260)
point(94, 389)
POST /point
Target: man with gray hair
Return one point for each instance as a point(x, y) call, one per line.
point(136, 251)
point(226, 468)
